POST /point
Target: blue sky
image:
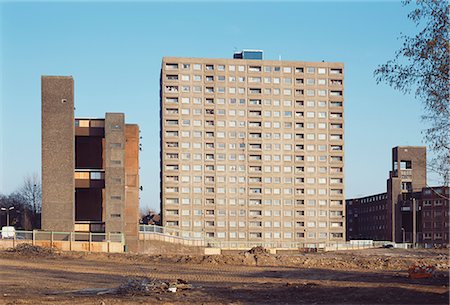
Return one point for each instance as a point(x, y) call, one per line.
point(114, 50)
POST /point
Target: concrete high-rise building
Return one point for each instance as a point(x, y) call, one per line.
point(90, 167)
point(252, 149)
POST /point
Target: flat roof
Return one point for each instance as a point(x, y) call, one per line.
point(255, 61)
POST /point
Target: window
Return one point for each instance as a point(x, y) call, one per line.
point(335, 71)
point(254, 68)
point(405, 164)
point(310, 81)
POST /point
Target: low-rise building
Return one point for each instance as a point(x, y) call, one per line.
point(389, 216)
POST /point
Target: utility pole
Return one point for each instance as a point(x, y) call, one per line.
point(33, 221)
point(34, 198)
point(414, 221)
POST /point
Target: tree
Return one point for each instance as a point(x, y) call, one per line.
point(149, 216)
point(19, 215)
point(421, 66)
point(31, 193)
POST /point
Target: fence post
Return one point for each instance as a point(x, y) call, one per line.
point(70, 241)
point(51, 239)
point(90, 239)
point(108, 238)
point(33, 238)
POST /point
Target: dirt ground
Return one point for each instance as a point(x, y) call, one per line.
point(376, 276)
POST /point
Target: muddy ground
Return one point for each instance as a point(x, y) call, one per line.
point(376, 276)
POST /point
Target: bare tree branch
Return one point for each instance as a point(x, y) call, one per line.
point(422, 66)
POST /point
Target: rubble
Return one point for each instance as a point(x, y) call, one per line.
point(258, 250)
point(144, 286)
point(134, 286)
point(377, 260)
point(28, 249)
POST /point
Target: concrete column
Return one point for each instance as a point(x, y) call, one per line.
point(58, 153)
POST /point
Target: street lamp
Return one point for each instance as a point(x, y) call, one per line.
point(7, 214)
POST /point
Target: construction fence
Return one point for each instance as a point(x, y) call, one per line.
point(67, 241)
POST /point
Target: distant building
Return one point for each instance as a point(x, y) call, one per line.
point(388, 216)
point(90, 167)
point(252, 150)
point(432, 216)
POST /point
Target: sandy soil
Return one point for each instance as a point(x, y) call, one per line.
point(377, 276)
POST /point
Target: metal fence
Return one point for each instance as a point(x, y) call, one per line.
point(287, 245)
point(172, 232)
point(223, 244)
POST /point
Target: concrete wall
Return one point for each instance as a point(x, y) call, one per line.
point(131, 229)
point(58, 153)
point(162, 247)
point(170, 239)
point(114, 150)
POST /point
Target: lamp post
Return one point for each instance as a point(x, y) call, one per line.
point(414, 222)
point(7, 214)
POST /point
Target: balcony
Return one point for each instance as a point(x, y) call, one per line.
point(255, 91)
point(173, 77)
point(254, 114)
point(335, 104)
point(171, 66)
point(254, 124)
point(171, 89)
point(336, 93)
point(335, 71)
point(336, 82)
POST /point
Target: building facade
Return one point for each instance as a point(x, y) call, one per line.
point(252, 149)
point(367, 218)
point(431, 219)
point(390, 216)
point(90, 167)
